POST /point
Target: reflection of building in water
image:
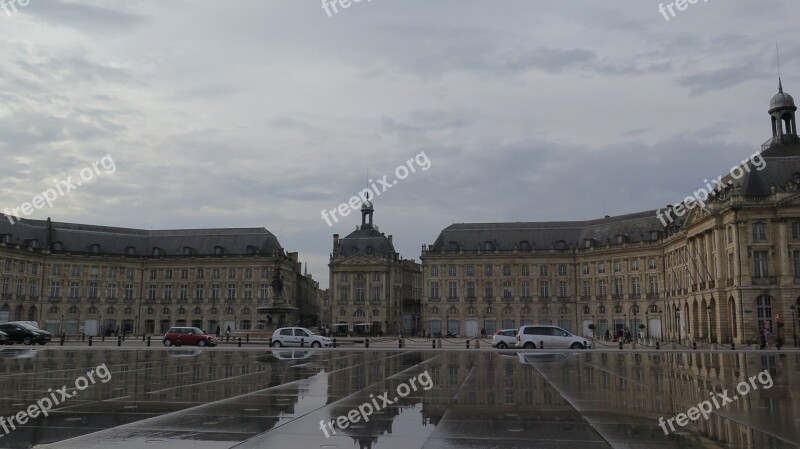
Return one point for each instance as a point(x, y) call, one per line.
point(721, 272)
point(145, 384)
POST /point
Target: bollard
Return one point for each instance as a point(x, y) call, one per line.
point(119, 341)
point(148, 341)
point(468, 343)
point(400, 343)
point(270, 341)
point(334, 342)
point(302, 342)
point(658, 345)
point(541, 344)
point(620, 344)
point(143, 339)
point(694, 345)
point(366, 342)
point(227, 338)
point(123, 337)
point(733, 346)
point(90, 340)
point(83, 337)
point(433, 345)
point(62, 339)
point(240, 342)
point(247, 338)
point(103, 337)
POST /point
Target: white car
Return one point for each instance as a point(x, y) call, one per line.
point(544, 336)
point(505, 338)
point(295, 336)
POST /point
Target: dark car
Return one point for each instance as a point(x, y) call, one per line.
point(191, 336)
point(4, 338)
point(25, 333)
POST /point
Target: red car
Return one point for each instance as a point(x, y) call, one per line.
point(190, 336)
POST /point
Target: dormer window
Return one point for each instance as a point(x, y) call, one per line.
point(252, 250)
point(94, 248)
point(158, 252)
point(488, 246)
point(6, 238)
point(130, 251)
point(561, 245)
point(188, 251)
point(524, 245)
point(219, 251)
point(452, 246)
point(58, 246)
point(621, 238)
point(32, 243)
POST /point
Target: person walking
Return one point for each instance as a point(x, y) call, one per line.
point(218, 331)
point(767, 336)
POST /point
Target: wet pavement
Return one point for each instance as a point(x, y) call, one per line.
point(212, 398)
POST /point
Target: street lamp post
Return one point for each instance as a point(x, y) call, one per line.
point(708, 318)
point(794, 328)
point(678, 322)
point(647, 326)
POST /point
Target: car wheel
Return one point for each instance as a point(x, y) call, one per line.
point(502, 345)
point(316, 344)
point(529, 345)
point(27, 341)
point(576, 346)
point(167, 342)
point(276, 344)
point(201, 343)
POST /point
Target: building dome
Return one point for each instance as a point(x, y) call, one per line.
point(781, 100)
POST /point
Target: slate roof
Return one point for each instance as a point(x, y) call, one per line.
point(366, 241)
point(112, 240)
point(543, 235)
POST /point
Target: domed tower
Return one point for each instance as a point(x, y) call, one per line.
point(366, 214)
point(782, 110)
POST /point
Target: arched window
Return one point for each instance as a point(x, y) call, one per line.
point(544, 310)
point(198, 311)
point(434, 310)
point(181, 311)
point(92, 310)
point(601, 309)
point(452, 310)
point(376, 312)
point(586, 310)
point(110, 311)
point(617, 309)
point(246, 311)
point(73, 310)
point(343, 312)
point(471, 310)
point(165, 311)
point(53, 309)
point(507, 310)
point(229, 311)
point(635, 309)
point(151, 311)
point(653, 308)
point(359, 314)
point(213, 311)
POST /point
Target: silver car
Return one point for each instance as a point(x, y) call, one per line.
point(505, 338)
point(298, 336)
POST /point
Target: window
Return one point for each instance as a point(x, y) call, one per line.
point(544, 289)
point(487, 270)
point(184, 292)
point(215, 292)
point(263, 292)
point(55, 289)
point(618, 287)
point(506, 270)
point(76, 270)
point(248, 273)
point(526, 270)
point(168, 292)
point(360, 291)
point(563, 291)
point(111, 291)
point(653, 285)
point(759, 232)
point(55, 270)
point(199, 292)
point(232, 273)
point(796, 230)
point(452, 290)
point(434, 290)
point(761, 264)
point(231, 291)
point(6, 285)
point(470, 289)
point(508, 292)
point(248, 292)
point(526, 289)
point(344, 294)
point(652, 264)
point(153, 275)
point(601, 288)
point(470, 270)
point(730, 234)
point(168, 274)
point(636, 289)
point(112, 273)
point(543, 270)
point(128, 292)
point(617, 266)
point(184, 274)
point(215, 273)
point(587, 289)
point(562, 270)
point(21, 267)
point(731, 265)
point(376, 294)
point(601, 267)
point(451, 270)
point(376, 277)
point(201, 273)
point(35, 268)
point(796, 262)
point(489, 290)
point(585, 269)
point(74, 290)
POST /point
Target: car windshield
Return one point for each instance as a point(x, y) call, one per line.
point(28, 326)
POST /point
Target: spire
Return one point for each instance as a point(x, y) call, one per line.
point(780, 85)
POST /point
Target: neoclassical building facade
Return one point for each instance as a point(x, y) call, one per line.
point(86, 279)
point(721, 272)
point(373, 290)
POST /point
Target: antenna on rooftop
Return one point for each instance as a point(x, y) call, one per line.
point(778, 56)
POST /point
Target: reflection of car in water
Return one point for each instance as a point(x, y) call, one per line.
point(184, 352)
point(530, 358)
point(17, 353)
point(291, 355)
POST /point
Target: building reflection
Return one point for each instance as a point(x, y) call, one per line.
point(536, 396)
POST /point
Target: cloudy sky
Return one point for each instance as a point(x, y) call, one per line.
point(262, 113)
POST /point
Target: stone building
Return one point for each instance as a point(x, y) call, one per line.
point(373, 290)
point(720, 272)
point(76, 278)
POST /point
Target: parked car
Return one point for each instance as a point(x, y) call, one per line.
point(551, 337)
point(22, 332)
point(505, 338)
point(190, 336)
point(4, 338)
point(293, 336)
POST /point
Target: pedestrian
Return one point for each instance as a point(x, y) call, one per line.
point(218, 331)
point(228, 332)
point(608, 335)
point(767, 336)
